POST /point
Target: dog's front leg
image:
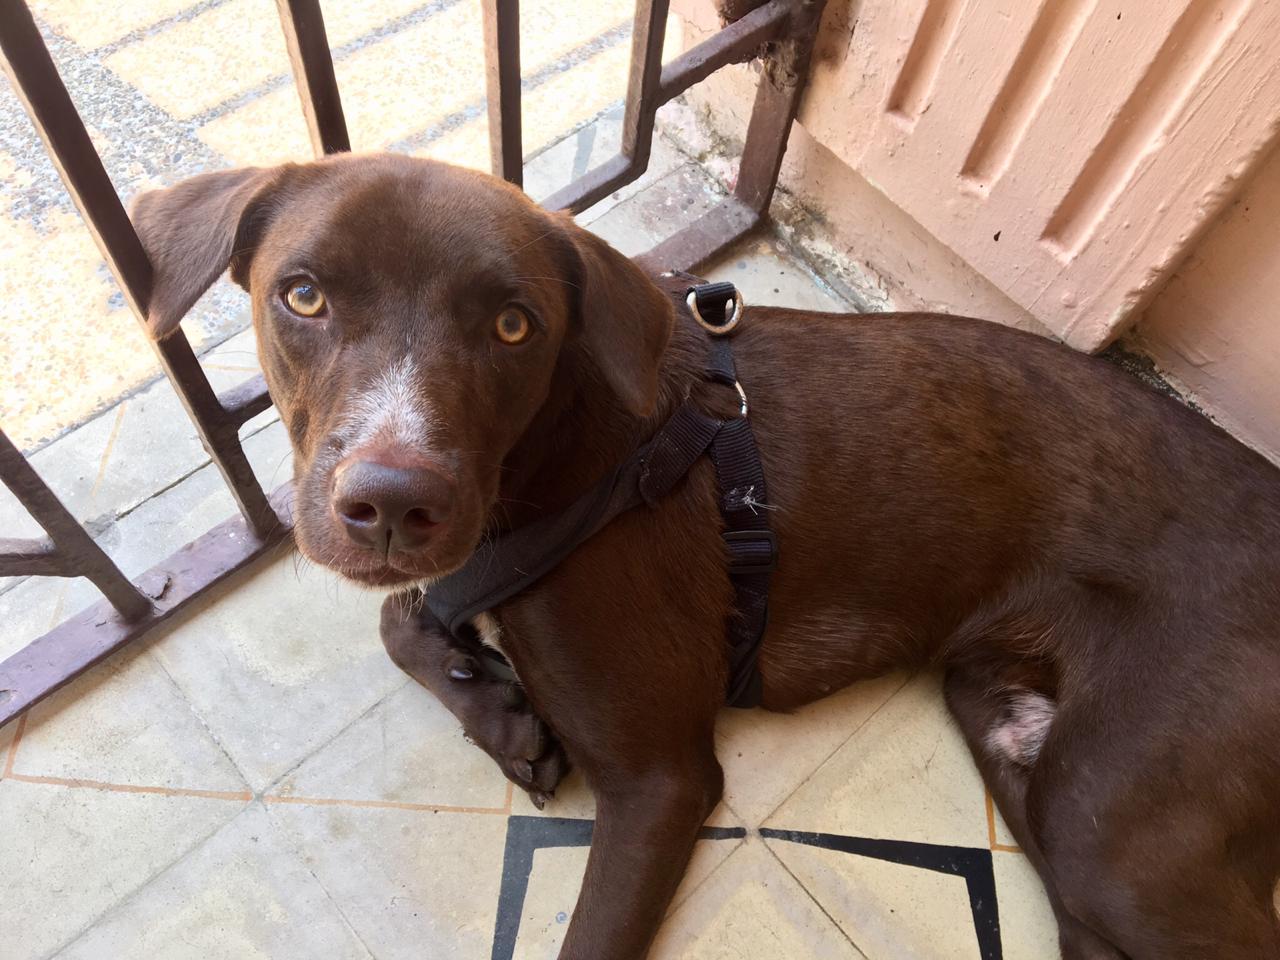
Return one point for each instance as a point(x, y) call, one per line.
point(495, 715)
point(644, 835)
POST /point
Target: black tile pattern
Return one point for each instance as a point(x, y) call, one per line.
point(527, 835)
point(971, 863)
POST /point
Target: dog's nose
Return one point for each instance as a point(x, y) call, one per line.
point(388, 507)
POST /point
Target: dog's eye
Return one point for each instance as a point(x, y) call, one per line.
point(304, 299)
point(513, 326)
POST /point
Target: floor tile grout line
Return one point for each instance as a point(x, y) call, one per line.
point(107, 787)
point(991, 817)
point(380, 805)
point(152, 651)
point(56, 618)
point(823, 762)
point(128, 896)
point(12, 753)
point(178, 481)
point(345, 727)
point(106, 453)
point(293, 844)
point(994, 843)
point(816, 902)
point(676, 904)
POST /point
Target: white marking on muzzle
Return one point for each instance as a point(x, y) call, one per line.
point(391, 409)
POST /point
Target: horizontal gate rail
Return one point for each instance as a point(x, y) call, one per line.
point(69, 551)
point(780, 32)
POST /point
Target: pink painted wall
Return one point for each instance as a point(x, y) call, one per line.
point(940, 142)
point(1215, 327)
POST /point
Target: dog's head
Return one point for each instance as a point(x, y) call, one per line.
point(412, 320)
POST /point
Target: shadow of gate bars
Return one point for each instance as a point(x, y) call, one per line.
point(780, 33)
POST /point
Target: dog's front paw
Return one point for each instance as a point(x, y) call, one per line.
point(513, 735)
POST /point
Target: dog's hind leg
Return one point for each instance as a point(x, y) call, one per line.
point(495, 714)
point(1139, 861)
point(1005, 730)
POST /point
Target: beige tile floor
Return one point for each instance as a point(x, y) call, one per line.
point(257, 780)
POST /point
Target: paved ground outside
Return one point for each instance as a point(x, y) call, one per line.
point(257, 780)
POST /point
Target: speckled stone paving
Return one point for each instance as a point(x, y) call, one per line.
point(257, 780)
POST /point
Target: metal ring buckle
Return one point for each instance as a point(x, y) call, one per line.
point(742, 395)
point(730, 321)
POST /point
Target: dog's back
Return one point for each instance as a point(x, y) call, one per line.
point(1096, 565)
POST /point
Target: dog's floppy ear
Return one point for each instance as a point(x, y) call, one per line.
point(625, 320)
point(194, 231)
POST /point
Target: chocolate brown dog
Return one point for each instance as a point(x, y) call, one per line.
point(1095, 567)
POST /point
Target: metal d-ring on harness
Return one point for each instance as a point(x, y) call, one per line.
point(508, 564)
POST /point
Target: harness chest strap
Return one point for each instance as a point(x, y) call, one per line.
point(506, 565)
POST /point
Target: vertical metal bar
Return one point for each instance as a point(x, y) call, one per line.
point(782, 81)
point(647, 35)
point(308, 44)
point(502, 88)
point(37, 83)
point(68, 536)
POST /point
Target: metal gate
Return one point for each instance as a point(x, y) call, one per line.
point(781, 32)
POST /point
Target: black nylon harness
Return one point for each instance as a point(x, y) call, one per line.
point(506, 565)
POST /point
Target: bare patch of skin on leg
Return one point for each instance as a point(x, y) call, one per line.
point(1019, 735)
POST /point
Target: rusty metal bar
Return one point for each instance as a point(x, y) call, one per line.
point(32, 558)
point(736, 43)
point(782, 81)
point(720, 227)
point(74, 553)
point(245, 400)
point(642, 104)
point(502, 88)
point(647, 35)
point(308, 45)
point(72, 647)
point(594, 185)
point(36, 81)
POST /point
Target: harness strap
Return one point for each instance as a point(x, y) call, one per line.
point(752, 547)
point(503, 566)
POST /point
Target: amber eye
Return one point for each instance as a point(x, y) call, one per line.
point(513, 326)
point(305, 299)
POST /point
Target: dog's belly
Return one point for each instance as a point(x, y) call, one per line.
point(820, 650)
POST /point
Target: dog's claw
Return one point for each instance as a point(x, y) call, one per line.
point(459, 666)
